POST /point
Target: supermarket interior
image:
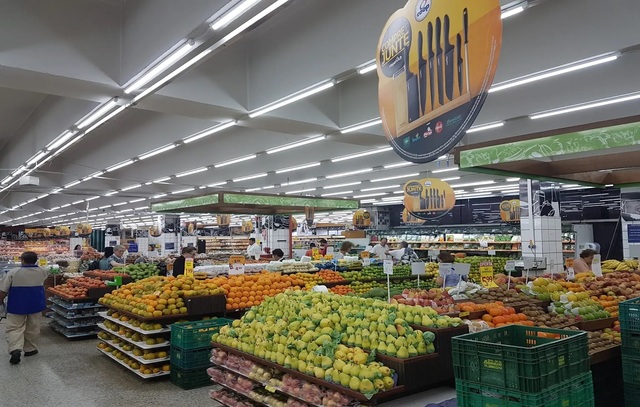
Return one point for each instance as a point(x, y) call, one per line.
point(297, 203)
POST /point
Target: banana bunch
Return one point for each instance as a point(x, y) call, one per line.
point(609, 266)
point(631, 263)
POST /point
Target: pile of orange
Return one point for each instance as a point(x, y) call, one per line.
point(498, 315)
point(341, 289)
point(249, 290)
point(330, 276)
point(471, 307)
point(609, 302)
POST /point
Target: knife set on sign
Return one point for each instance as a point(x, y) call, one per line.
point(431, 199)
point(424, 95)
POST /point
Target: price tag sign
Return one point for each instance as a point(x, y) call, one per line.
point(16, 259)
point(571, 274)
point(236, 265)
point(445, 269)
point(491, 252)
point(387, 267)
point(417, 269)
point(510, 265)
point(365, 255)
point(270, 389)
point(486, 275)
point(366, 261)
point(188, 267)
point(596, 265)
point(568, 262)
point(464, 314)
point(42, 262)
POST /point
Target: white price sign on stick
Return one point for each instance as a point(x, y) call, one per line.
point(387, 266)
point(596, 265)
point(417, 269)
point(236, 265)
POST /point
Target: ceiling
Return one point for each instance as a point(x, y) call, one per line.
point(59, 62)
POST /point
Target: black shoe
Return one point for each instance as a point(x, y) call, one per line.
point(15, 357)
point(31, 353)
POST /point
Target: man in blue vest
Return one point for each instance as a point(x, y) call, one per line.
point(25, 287)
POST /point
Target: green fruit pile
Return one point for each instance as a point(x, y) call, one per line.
point(325, 335)
point(474, 272)
point(138, 271)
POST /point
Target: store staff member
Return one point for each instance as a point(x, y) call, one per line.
point(381, 250)
point(188, 252)
point(277, 255)
point(345, 249)
point(117, 258)
point(25, 287)
point(583, 264)
point(254, 250)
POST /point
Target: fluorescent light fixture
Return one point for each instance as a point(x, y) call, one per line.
point(139, 208)
point(191, 172)
point(61, 139)
point(450, 179)
point(163, 179)
point(233, 14)
point(302, 181)
point(560, 70)
point(459, 191)
point(396, 177)
point(217, 184)
point(157, 151)
point(119, 165)
point(253, 189)
point(348, 184)
point(65, 206)
point(111, 193)
point(6, 179)
point(173, 74)
point(264, 174)
point(178, 54)
point(445, 170)
point(477, 195)
point(138, 200)
point(360, 126)
point(71, 184)
point(300, 167)
point(96, 114)
point(368, 67)
point(130, 187)
point(182, 191)
point(364, 154)
point(472, 184)
point(119, 204)
point(369, 195)
point(379, 188)
point(55, 191)
point(570, 186)
point(443, 157)
point(485, 127)
point(300, 191)
point(393, 198)
point(349, 173)
point(296, 144)
point(398, 201)
point(512, 12)
point(312, 90)
point(235, 161)
point(159, 196)
point(77, 202)
point(590, 105)
point(36, 158)
point(511, 191)
point(338, 193)
point(31, 200)
point(97, 174)
point(69, 144)
point(398, 165)
point(126, 210)
point(43, 196)
point(498, 187)
point(269, 187)
point(608, 185)
point(92, 198)
point(212, 130)
point(513, 179)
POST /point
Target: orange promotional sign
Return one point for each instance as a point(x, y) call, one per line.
point(428, 198)
point(510, 210)
point(436, 61)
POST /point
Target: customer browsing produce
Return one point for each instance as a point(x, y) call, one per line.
point(583, 263)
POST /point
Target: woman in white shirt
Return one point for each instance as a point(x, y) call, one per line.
point(345, 248)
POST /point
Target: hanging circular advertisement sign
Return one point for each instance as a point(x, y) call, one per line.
point(428, 198)
point(410, 220)
point(436, 61)
point(510, 210)
point(361, 219)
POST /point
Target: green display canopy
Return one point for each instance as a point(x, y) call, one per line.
point(590, 155)
point(241, 203)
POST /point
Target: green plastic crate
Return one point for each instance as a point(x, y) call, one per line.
point(190, 378)
point(518, 358)
point(577, 392)
point(630, 344)
point(191, 358)
point(197, 334)
point(631, 395)
point(631, 370)
point(629, 315)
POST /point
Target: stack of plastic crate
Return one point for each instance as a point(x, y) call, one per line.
point(191, 351)
point(523, 366)
point(630, 331)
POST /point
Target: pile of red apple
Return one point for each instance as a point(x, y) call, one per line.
point(87, 282)
point(70, 291)
point(435, 298)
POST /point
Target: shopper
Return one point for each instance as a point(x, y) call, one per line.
point(77, 251)
point(254, 250)
point(345, 249)
point(25, 287)
point(583, 264)
point(451, 280)
point(407, 254)
point(310, 251)
point(323, 246)
point(117, 258)
point(277, 255)
point(381, 250)
point(188, 252)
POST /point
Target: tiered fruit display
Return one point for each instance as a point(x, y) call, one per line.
point(310, 280)
point(435, 298)
point(138, 271)
point(145, 326)
point(146, 369)
point(367, 273)
point(330, 276)
point(246, 291)
point(229, 398)
point(146, 354)
point(547, 320)
point(69, 290)
point(159, 296)
point(87, 282)
point(360, 288)
point(431, 271)
point(296, 267)
point(498, 315)
point(324, 335)
point(511, 297)
point(624, 285)
point(105, 275)
point(609, 303)
point(474, 261)
point(133, 335)
point(579, 304)
point(341, 289)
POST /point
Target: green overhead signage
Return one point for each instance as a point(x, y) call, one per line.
point(275, 200)
point(185, 203)
point(624, 135)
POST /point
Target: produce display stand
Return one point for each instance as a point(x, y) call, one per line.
point(312, 379)
point(596, 324)
point(126, 279)
point(74, 318)
point(444, 369)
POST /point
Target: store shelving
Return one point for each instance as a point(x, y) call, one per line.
point(133, 327)
point(137, 372)
point(74, 319)
point(226, 245)
point(134, 357)
point(140, 344)
point(303, 242)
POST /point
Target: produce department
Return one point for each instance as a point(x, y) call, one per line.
point(404, 203)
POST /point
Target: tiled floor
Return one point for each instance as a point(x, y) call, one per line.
point(73, 373)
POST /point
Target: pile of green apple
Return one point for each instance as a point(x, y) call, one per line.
point(588, 309)
point(326, 335)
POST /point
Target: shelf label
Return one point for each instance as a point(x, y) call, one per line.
point(366, 261)
point(464, 314)
point(387, 267)
point(270, 389)
point(236, 265)
point(571, 274)
point(491, 252)
point(596, 265)
point(417, 269)
point(188, 267)
point(486, 275)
